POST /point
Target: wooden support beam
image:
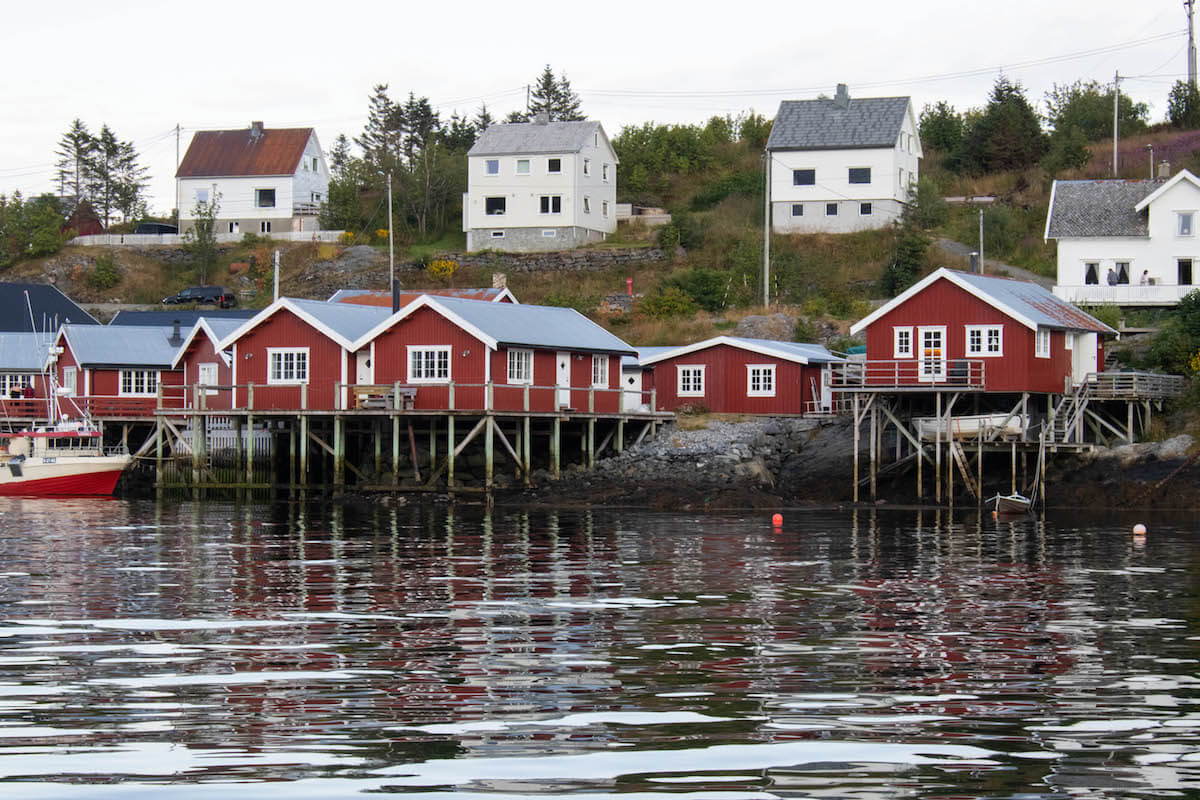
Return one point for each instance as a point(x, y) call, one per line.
point(937, 451)
point(412, 449)
point(249, 448)
point(504, 441)
point(642, 435)
point(158, 457)
point(451, 452)
point(604, 442)
point(471, 435)
point(556, 446)
point(621, 435)
point(303, 443)
point(857, 422)
point(964, 467)
point(432, 443)
point(489, 430)
point(903, 431)
point(333, 453)
point(395, 450)
point(874, 469)
point(527, 450)
point(339, 455)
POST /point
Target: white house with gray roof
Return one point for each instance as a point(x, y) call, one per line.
point(1128, 242)
point(842, 164)
point(540, 186)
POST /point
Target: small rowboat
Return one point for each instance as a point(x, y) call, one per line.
point(1010, 503)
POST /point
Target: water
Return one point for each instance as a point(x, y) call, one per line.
point(287, 652)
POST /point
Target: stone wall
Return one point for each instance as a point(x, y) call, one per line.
point(563, 260)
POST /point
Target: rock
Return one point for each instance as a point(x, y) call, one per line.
point(777, 326)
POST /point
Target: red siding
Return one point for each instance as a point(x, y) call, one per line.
point(98, 391)
point(202, 351)
point(726, 382)
point(943, 303)
point(285, 329)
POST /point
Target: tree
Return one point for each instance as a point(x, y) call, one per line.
point(941, 127)
point(1088, 106)
point(74, 152)
point(908, 258)
point(1068, 150)
point(483, 119)
point(458, 134)
point(1005, 136)
point(1183, 105)
point(553, 97)
point(115, 180)
point(200, 241)
point(339, 156)
point(382, 136)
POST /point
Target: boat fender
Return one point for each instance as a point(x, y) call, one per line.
point(19, 446)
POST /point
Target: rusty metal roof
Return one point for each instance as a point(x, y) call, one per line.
point(1035, 303)
point(236, 153)
point(380, 297)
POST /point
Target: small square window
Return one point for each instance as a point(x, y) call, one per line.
point(1042, 344)
point(831, 209)
point(1185, 223)
point(493, 166)
point(497, 234)
point(797, 209)
point(860, 174)
point(495, 206)
point(522, 166)
point(549, 233)
point(902, 342)
point(864, 209)
point(264, 226)
point(804, 177)
point(554, 165)
point(264, 198)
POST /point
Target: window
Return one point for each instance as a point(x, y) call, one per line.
point(1185, 223)
point(554, 165)
point(587, 204)
point(494, 206)
point(797, 209)
point(864, 209)
point(316, 197)
point(860, 174)
point(549, 233)
point(497, 234)
point(70, 380)
point(551, 204)
point(520, 366)
point(1091, 273)
point(315, 162)
point(492, 166)
point(831, 209)
point(1042, 345)
point(604, 208)
point(804, 177)
point(138, 382)
point(760, 380)
point(1185, 271)
point(14, 382)
point(264, 226)
point(206, 375)
point(429, 364)
point(902, 342)
point(691, 381)
point(287, 365)
point(1069, 340)
point(264, 198)
point(202, 195)
point(985, 340)
point(604, 172)
point(522, 166)
point(600, 371)
point(233, 227)
point(587, 166)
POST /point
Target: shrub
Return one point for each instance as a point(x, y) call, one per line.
point(346, 238)
point(381, 234)
point(104, 275)
point(706, 287)
point(669, 302)
point(441, 269)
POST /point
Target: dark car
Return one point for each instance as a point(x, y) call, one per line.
point(203, 295)
point(155, 227)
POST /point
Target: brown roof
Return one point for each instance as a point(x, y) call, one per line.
point(233, 153)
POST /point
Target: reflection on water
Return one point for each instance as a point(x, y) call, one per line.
point(302, 652)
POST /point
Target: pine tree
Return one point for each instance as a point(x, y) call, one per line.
point(568, 105)
point(74, 151)
point(483, 119)
point(339, 156)
point(383, 134)
point(553, 97)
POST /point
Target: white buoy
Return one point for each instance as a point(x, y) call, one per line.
point(1139, 530)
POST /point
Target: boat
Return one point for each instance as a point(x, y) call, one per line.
point(1014, 503)
point(971, 426)
point(65, 459)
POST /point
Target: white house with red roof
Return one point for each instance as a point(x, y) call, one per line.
point(265, 181)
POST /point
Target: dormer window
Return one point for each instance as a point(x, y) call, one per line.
point(1185, 222)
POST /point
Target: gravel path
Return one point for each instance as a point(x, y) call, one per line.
point(960, 250)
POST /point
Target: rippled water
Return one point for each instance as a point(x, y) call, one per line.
point(284, 652)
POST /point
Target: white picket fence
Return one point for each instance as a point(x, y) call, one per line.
point(136, 239)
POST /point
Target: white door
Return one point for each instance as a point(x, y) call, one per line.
point(1083, 356)
point(633, 390)
point(827, 388)
point(365, 372)
point(933, 353)
point(564, 379)
point(206, 375)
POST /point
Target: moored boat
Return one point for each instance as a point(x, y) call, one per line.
point(1014, 503)
point(63, 460)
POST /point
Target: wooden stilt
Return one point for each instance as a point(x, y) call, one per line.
point(556, 446)
point(395, 450)
point(527, 450)
point(339, 455)
point(591, 442)
point(450, 453)
point(857, 422)
point(937, 452)
point(377, 435)
point(488, 453)
point(412, 449)
point(292, 454)
point(158, 458)
point(874, 468)
point(1014, 467)
point(303, 450)
point(250, 448)
point(620, 445)
point(432, 444)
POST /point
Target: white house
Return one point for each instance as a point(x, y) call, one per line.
point(840, 165)
point(540, 186)
point(264, 180)
point(1129, 242)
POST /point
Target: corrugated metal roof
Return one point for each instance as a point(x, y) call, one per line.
point(814, 353)
point(531, 137)
point(823, 125)
point(790, 351)
point(534, 326)
point(1099, 208)
point(233, 153)
point(24, 352)
point(1035, 303)
point(347, 320)
point(121, 345)
point(380, 297)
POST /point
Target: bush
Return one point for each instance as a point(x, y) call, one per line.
point(747, 182)
point(104, 275)
point(669, 302)
point(441, 269)
point(580, 302)
point(346, 238)
point(706, 287)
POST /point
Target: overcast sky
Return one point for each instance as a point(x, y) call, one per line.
point(143, 67)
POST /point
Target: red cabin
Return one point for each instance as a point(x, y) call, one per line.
point(117, 371)
point(23, 358)
point(207, 370)
point(732, 375)
point(980, 332)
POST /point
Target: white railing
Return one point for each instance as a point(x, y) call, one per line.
point(134, 239)
point(1123, 294)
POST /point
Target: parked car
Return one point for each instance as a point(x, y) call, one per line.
point(203, 295)
point(155, 227)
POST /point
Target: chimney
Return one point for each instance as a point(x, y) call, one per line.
point(541, 118)
point(176, 337)
point(499, 280)
point(974, 256)
point(842, 98)
point(1164, 170)
point(256, 130)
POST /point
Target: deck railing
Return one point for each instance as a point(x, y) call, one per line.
point(958, 373)
point(1135, 385)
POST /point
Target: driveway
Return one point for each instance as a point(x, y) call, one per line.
point(991, 266)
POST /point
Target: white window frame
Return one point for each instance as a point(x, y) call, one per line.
point(502, 211)
point(491, 167)
point(277, 366)
point(604, 208)
point(1185, 223)
point(258, 197)
point(418, 375)
point(797, 209)
point(206, 370)
point(692, 374)
point(497, 234)
point(550, 171)
point(137, 383)
point(548, 201)
point(850, 175)
point(520, 366)
point(71, 380)
point(549, 233)
point(264, 226)
point(1041, 345)
point(866, 208)
point(202, 195)
point(523, 162)
point(587, 166)
point(1068, 340)
point(604, 172)
point(587, 204)
point(985, 333)
point(14, 380)
point(765, 374)
point(897, 350)
point(599, 371)
point(831, 209)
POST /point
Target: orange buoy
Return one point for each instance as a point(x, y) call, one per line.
point(777, 520)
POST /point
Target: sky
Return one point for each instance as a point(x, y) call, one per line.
point(145, 67)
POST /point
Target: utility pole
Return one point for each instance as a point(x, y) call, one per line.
point(1150, 147)
point(981, 267)
point(178, 213)
point(391, 253)
point(1188, 4)
point(766, 228)
point(1116, 97)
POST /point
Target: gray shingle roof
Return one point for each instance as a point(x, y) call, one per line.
point(822, 125)
point(24, 352)
point(121, 345)
point(1098, 208)
point(534, 326)
point(530, 137)
point(1034, 302)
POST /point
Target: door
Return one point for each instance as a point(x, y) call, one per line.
point(563, 380)
point(933, 353)
point(1185, 272)
point(633, 390)
point(827, 388)
point(1083, 356)
point(365, 372)
point(206, 375)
